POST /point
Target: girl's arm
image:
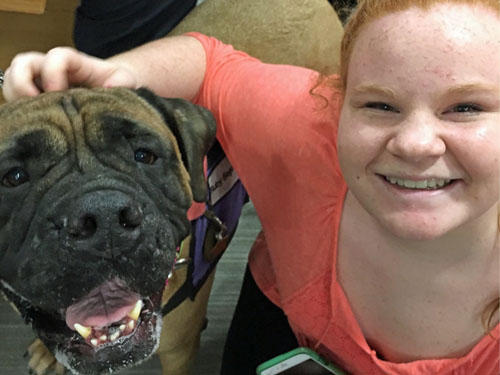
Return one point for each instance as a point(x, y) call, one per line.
point(172, 67)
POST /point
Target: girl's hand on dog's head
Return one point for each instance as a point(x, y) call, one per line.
point(32, 73)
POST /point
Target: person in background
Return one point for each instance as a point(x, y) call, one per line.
point(104, 28)
point(378, 189)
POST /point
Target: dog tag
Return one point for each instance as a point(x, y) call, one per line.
point(216, 239)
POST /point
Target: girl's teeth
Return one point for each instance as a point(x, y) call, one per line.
point(422, 184)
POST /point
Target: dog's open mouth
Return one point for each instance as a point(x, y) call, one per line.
point(103, 334)
point(110, 328)
point(109, 314)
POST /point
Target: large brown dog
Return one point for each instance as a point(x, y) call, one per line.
point(94, 190)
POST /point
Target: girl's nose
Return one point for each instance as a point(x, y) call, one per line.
point(417, 138)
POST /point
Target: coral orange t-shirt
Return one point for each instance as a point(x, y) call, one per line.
point(281, 140)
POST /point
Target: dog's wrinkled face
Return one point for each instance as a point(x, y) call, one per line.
point(94, 189)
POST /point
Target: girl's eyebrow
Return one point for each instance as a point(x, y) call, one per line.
point(474, 88)
point(374, 89)
point(468, 88)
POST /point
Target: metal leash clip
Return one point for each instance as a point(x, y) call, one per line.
point(218, 225)
point(1, 78)
point(181, 262)
point(217, 237)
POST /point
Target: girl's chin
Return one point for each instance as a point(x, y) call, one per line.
point(416, 230)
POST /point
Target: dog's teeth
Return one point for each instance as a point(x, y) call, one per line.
point(114, 336)
point(82, 330)
point(103, 338)
point(131, 324)
point(136, 311)
point(94, 342)
point(122, 327)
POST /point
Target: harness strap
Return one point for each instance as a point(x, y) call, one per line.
point(212, 231)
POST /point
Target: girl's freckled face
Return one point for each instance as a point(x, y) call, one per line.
point(422, 104)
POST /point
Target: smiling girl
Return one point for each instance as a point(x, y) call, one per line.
point(380, 209)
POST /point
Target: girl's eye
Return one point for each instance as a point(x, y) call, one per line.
point(145, 156)
point(14, 177)
point(466, 108)
point(380, 106)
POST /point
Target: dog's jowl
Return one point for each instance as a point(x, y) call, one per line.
point(94, 189)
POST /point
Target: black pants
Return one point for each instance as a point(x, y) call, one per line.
point(259, 331)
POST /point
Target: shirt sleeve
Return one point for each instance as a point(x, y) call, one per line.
point(280, 139)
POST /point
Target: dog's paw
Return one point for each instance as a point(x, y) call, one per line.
point(42, 361)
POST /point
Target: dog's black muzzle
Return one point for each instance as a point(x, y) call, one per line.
point(97, 232)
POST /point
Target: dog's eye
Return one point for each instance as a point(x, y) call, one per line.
point(145, 156)
point(15, 177)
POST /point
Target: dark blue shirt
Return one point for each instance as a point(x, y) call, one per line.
point(106, 27)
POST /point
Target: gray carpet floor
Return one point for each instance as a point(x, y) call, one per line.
point(15, 336)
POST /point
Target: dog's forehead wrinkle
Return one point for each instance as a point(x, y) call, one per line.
point(69, 105)
point(72, 106)
point(77, 104)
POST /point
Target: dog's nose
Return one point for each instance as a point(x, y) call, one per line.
point(110, 212)
point(83, 226)
point(130, 216)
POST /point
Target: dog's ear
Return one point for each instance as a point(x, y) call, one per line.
point(194, 128)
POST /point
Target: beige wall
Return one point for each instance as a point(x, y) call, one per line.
point(26, 32)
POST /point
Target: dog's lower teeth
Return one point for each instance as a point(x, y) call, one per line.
point(97, 336)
